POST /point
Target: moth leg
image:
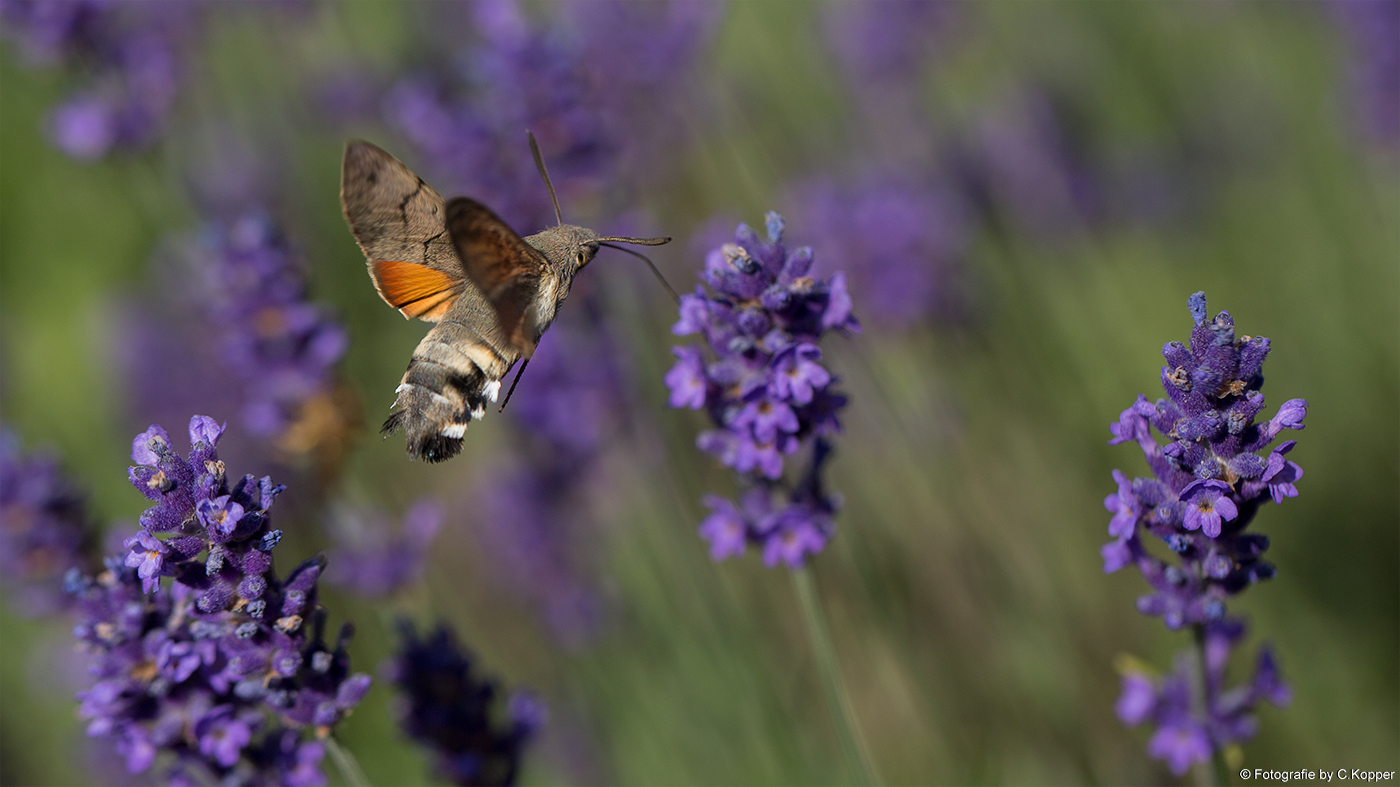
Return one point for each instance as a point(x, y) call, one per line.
point(523, 363)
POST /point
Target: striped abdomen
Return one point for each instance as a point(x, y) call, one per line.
point(454, 373)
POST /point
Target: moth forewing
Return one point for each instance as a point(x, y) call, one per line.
point(392, 213)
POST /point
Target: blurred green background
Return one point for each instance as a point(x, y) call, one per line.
point(975, 628)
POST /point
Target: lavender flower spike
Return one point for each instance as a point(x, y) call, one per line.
point(44, 530)
point(218, 673)
point(376, 563)
point(283, 347)
point(451, 710)
point(1208, 482)
point(766, 390)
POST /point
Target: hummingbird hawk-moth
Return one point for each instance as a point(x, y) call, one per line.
point(490, 292)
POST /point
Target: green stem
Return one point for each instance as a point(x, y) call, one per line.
point(1222, 771)
point(852, 747)
point(1213, 773)
point(345, 763)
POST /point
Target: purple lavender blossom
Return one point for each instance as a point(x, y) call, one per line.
point(584, 95)
point(1207, 506)
point(245, 334)
point(451, 709)
point(1209, 482)
point(131, 58)
point(1187, 732)
point(900, 240)
point(766, 390)
point(890, 40)
point(1372, 30)
point(219, 671)
point(374, 562)
point(44, 530)
point(1023, 166)
point(147, 557)
point(283, 347)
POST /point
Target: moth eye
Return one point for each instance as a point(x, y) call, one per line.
point(581, 257)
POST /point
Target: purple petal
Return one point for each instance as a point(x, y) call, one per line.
point(141, 452)
point(204, 429)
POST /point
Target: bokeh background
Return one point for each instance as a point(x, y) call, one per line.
point(1023, 195)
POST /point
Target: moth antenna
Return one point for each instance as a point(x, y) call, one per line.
point(544, 173)
point(523, 363)
point(674, 295)
point(639, 241)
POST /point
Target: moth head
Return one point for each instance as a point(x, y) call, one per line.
point(567, 247)
point(571, 247)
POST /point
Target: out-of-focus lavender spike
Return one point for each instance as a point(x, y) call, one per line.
point(900, 241)
point(887, 41)
point(637, 57)
point(239, 328)
point(1372, 52)
point(130, 58)
point(538, 521)
point(451, 709)
point(45, 531)
point(536, 524)
point(578, 391)
point(283, 346)
point(583, 94)
point(376, 561)
point(1022, 165)
point(643, 44)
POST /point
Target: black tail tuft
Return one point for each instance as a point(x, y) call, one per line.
point(424, 442)
point(393, 423)
point(434, 448)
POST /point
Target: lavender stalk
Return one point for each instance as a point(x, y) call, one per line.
point(1212, 773)
point(346, 763)
point(770, 397)
point(852, 746)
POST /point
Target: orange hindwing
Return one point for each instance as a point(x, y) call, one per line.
point(415, 290)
